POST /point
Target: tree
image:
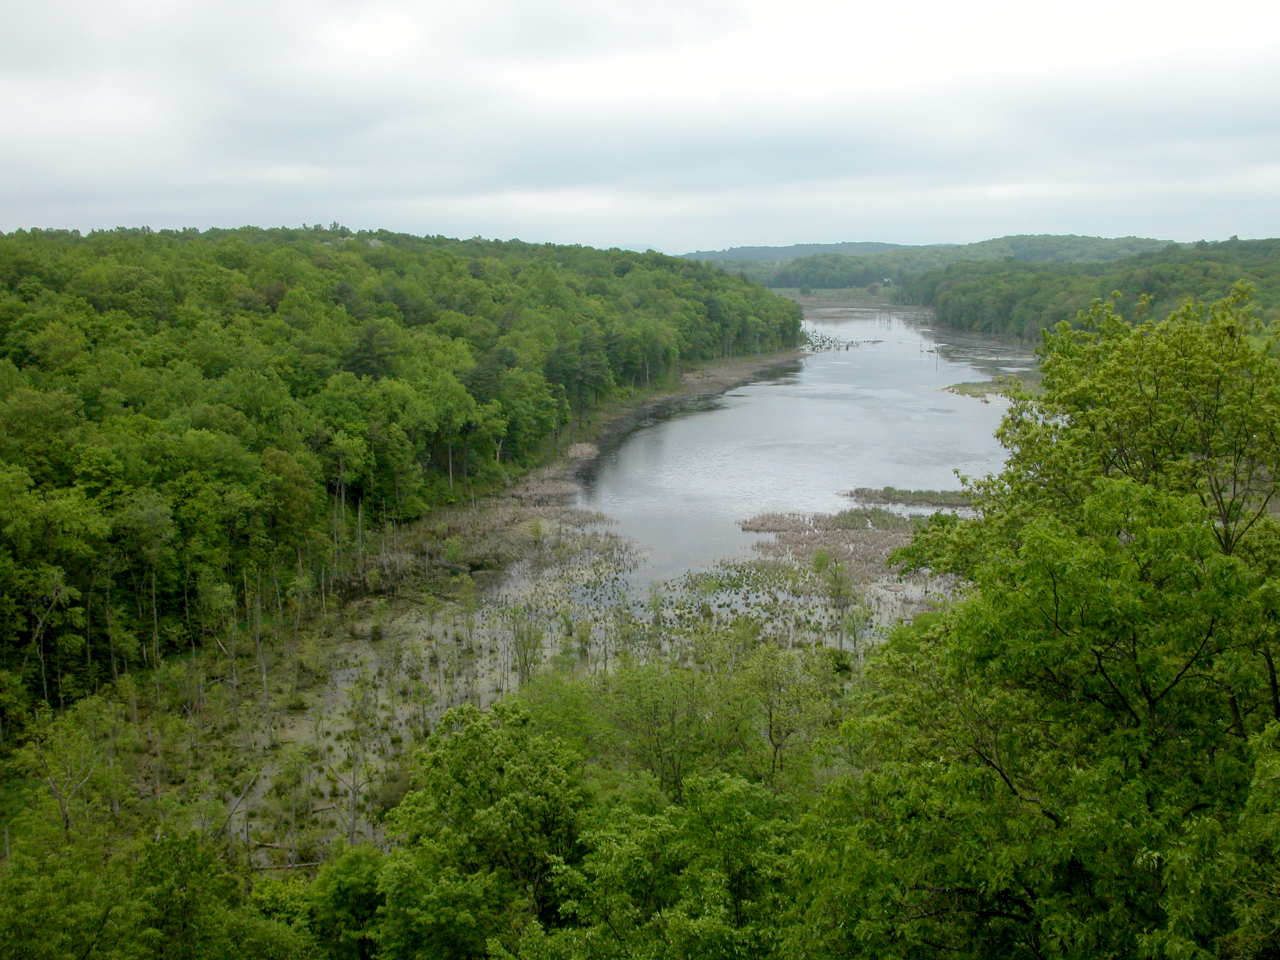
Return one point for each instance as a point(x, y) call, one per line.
point(78, 758)
point(661, 718)
point(496, 808)
point(1184, 404)
point(1060, 764)
point(703, 879)
point(344, 901)
point(185, 890)
point(792, 701)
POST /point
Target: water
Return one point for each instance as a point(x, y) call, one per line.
point(873, 415)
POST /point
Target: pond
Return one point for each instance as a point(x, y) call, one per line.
point(870, 412)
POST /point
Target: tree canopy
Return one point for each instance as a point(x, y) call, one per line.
point(1022, 299)
point(194, 424)
point(1070, 753)
point(835, 265)
point(1076, 758)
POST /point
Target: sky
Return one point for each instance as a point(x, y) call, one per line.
point(693, 124)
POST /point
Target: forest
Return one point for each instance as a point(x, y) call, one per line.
point(840, 265)
point(736, 256)
point(194, 426)
point(1019, 286)
point(1078, 756)
point(1022, 299)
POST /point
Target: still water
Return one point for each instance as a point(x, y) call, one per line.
point(874, 414)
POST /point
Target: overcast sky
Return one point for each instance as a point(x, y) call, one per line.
point(694, 124)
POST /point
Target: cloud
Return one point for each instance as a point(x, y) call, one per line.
point(684, 125)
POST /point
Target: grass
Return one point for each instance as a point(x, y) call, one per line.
point(873, 518)
point(1028, 380)
point(910, 498)
point(982, 389)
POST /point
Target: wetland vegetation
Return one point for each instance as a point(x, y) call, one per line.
point(911, 498)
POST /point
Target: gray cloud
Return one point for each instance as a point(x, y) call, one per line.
point(609, 126)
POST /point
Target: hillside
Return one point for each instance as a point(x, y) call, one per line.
point(833, 266)
point(775, 255)
point(197, 425)
point(1021, 299)
point(256, 702)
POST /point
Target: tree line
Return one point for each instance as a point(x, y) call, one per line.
point(1022, 285)
point(843, 265)
point(1021, 299)
point(196, 427)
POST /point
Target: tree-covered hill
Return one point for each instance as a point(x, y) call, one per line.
point(1022, 299)
point(194, 424)
point(839, 265)
point(735, 256)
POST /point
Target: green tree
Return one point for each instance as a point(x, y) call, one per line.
point(496, 808)
point(1058, 765)
point(343, 904)
point(703, 879)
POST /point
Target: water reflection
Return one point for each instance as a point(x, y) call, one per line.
point(872, 415)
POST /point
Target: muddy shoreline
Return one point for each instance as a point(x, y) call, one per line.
point(559, 481)
point(477, 597)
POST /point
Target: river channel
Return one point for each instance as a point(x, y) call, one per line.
point(872, 412)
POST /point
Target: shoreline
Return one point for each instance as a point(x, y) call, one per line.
point(561, 479)
point(458, 587)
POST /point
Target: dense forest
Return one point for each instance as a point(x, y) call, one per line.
point(1021, 299)
point(735, 256)
point(197, 426)
point(834, 266)
point(1079, 757)
point(1018, 286)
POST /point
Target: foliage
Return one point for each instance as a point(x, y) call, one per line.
point(1062, 763)
point(196, 426)
point(172, 896)
point(343, 904)
point(825, 266)
point(1022, 299)
point(1078, 758)
point(497, 808)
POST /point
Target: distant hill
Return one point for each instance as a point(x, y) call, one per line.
point(1023, 298)
point(834, 265)
point(792, 252)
